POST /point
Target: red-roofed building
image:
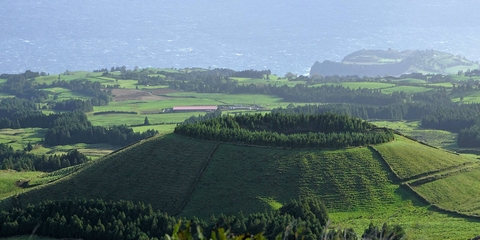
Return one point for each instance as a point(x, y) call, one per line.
point(195, 108)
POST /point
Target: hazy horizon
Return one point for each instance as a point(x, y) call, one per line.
point(54, 36)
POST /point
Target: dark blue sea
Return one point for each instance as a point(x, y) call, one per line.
point(283, 36)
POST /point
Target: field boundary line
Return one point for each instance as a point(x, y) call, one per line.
point(197, 180)
point(441, 174)
point(396, 179)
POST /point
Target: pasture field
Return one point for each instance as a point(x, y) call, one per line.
point(64, 94)
point(9, 178)
point(409, 159)
point(410, 80)
point(19, 138)
point(356, 85)
point(226, 99)
point(407, 89)
point(240, 178)
point(463, 77)
point(444, 84)
point(418, 221)
point(459, 192)
point(369, 85)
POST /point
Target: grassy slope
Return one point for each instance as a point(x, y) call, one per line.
point(408, 159)
point(160, 172)
point(459, 192)
point(8, 179)
point(249, 179)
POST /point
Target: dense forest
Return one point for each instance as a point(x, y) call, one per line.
point(288, 130)
point(98, 219)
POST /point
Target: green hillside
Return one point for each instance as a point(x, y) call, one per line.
point(457, 192)
point(181, 175)
point(243, 178)
point(409, 159)
point(159, 171)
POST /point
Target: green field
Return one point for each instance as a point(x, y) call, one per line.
point(410, 80)
point(223, 99)
point(407, 89)
point(370, 85)
point(19, 138)
point(418, 221)
point(408, 159)
point(444, 84)
point(459, 192)
point(9, 178)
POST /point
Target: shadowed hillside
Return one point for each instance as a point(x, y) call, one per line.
point(159, 171)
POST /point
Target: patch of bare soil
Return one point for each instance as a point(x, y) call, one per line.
point(133, 94)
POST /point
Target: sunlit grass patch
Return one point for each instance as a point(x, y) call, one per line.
point(408, 158)
point(9, 178)
point(19, 138)
point(459, 192)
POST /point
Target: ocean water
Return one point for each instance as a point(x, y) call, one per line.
point(283, 36)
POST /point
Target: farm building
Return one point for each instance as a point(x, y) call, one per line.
point(194, 108)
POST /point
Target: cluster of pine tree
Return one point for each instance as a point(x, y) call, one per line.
point(288, 130)
point(97, 219)
point(73, 105)
point(421, 105)
point(21, 160)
